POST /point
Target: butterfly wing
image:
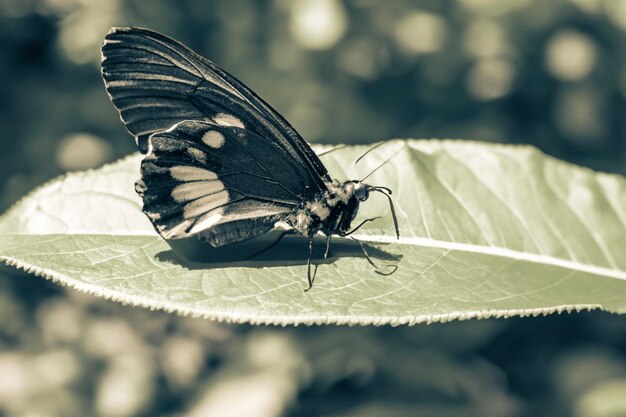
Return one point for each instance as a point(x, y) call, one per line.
point(221, 183)
point(156, 82)
point(221, 164)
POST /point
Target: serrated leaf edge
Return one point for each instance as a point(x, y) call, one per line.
point(229, 317)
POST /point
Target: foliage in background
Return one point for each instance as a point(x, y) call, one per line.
point(550, 73)
point(546, 73)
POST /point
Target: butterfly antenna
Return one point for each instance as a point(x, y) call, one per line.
point(336, 148)
point(387, 193)
point(382, 164)
point(368, 151)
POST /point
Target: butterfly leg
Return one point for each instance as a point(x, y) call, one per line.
point(327, 251)
point(271, 245)
point(310, 277)
point(359, 226)
point(378, 270)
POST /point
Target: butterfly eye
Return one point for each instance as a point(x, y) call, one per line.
point(361, 192)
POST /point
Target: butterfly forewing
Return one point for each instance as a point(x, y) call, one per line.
point(221, 183)
point(156, 82)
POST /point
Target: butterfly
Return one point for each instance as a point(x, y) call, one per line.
point(220, 164)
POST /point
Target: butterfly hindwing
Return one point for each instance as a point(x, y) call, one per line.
point(156, 82)
point(221, 183)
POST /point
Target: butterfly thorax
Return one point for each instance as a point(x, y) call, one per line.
point(333, 211)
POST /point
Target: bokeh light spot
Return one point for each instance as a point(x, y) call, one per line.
point(82, 151)
point(108, 338)
point(56, 368)
point(420, 32)
point(616, 12)
point(570, 55)
point(14, 378)
point(589, 6)
point(263, 394)
point(126, 386)
point(182, 359)
point(318, 24)
point(490, 79)
point(485, 39)
point(605, 399)
point(83, 25)
point(363, 58)
point(493, 7)
point(59, 321)
point(578, 114)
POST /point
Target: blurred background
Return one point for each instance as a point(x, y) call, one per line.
point(547, 73)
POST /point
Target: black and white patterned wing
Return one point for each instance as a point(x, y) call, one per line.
point(221, 183)
point(156, 82)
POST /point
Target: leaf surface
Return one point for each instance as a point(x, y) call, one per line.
point(487, 230)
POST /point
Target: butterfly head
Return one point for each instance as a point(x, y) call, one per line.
point(357, 189)
point(352, 193)
point(361, 191)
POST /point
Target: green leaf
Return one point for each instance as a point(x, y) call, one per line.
point(486, 230)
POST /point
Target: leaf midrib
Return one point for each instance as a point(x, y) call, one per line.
point(455, 246)
point(497, 251)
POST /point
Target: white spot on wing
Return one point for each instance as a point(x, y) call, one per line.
point(153, 215)
point(150, 147)
point(176, 230)
point(205, 204)
point(228, 120)
point(196, 189)
point(197, 154)
point(282, 225)
point(213, 138)
point(187, 173)
point(206, 222)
